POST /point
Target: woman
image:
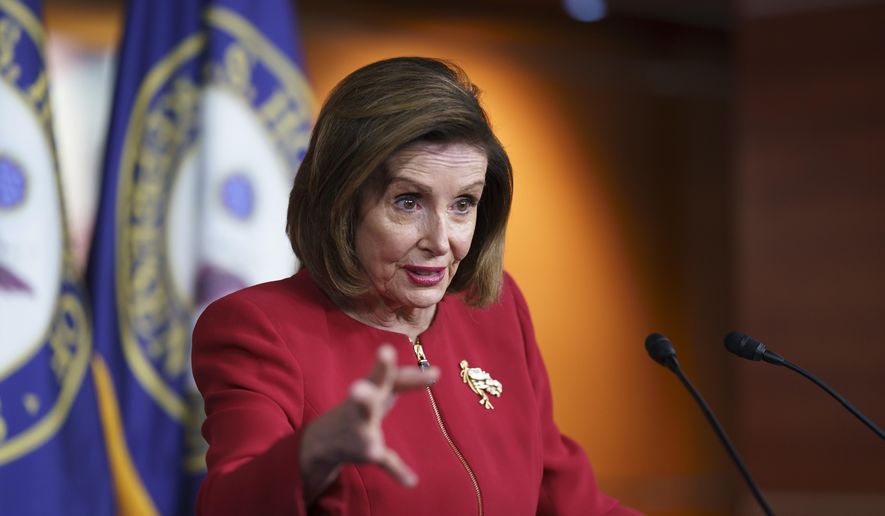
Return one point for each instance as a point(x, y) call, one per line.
point(397, 215)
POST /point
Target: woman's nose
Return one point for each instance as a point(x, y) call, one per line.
point(435, 237)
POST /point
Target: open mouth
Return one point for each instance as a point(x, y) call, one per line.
point(425, 276)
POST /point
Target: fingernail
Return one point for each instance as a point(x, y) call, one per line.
point(375, 452)
point(360, 389)
point(386, 353)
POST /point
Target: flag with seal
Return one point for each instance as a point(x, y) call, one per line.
point(52, 453)
point(211, 117)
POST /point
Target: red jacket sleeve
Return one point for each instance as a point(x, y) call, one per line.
point(569, 486)
point(253, 393)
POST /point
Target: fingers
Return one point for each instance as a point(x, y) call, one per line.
point(373, 394)
point(369, 399)
point(352, 431)
point(410, 378)
point(386, 375)
point(385, 365)
point(372, 401)
point(398, 469)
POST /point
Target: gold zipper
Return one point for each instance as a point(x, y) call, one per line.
point(457, 451)
point(424, 364)
point(419, 352)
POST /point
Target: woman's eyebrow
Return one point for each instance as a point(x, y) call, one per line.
point(411, 183)
point(477, 184)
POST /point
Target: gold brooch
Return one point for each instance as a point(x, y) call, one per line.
point(481, 383)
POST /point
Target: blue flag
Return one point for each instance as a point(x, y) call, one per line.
point(52, 454)
point(211, 117)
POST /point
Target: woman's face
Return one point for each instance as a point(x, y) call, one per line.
point(411, 238)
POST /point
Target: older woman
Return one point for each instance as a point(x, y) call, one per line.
point(398, 215)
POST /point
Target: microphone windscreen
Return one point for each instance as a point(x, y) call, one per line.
point(659, 348)
point(744, 346)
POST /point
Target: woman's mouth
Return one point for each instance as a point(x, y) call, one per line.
point(425, 276)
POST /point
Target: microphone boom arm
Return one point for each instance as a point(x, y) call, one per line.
point(673, 365)
point(778, 360)
point(749, 348)
point(662, 351)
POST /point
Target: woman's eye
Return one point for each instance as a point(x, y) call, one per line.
point(406, 202)
point(464, 205)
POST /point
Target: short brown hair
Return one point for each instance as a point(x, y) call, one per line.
point(370, 115)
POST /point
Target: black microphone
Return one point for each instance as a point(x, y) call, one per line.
point(661, 350)
point(747, 347)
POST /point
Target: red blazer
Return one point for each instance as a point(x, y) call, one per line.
point(270, 358)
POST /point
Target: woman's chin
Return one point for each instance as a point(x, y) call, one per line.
point(421, 297)
point(425, 300)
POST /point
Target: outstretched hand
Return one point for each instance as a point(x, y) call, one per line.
point(351, 432)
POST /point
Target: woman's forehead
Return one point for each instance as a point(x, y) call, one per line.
point(433, 158)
